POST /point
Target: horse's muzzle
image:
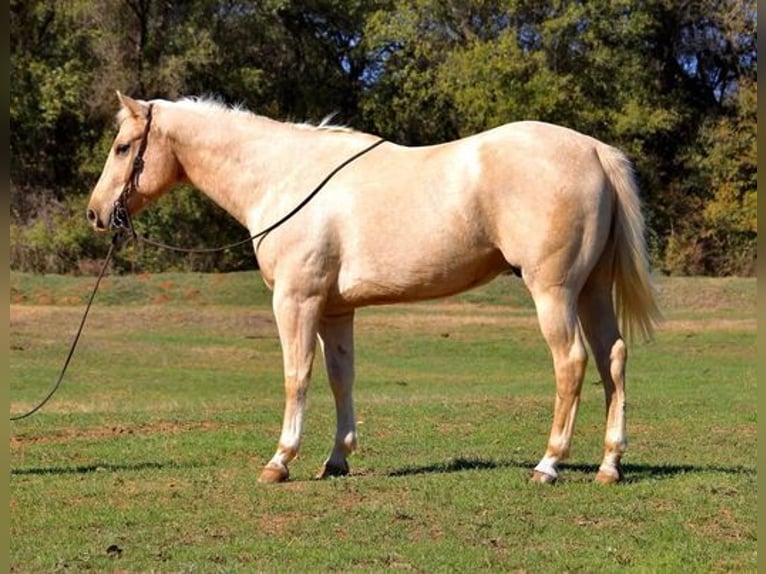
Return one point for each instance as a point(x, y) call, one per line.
point(94, 219)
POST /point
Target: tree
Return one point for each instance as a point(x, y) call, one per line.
point(720, 238)
point(652, 78)
point(671, 83)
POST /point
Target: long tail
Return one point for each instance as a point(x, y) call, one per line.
point(635, 295)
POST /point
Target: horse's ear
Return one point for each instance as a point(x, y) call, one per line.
point(136, 108)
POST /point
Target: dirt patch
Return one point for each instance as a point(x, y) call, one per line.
point(728, 325)
point(721, 526)
point(69, 434)
point(51, 319)
point(44, 299)
point(192, 293)
point(21, 314)
point(442, 318)
point(282, 523)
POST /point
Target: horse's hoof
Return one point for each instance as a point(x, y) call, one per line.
point(604, 477)
point(543, 478)
point(331, 470)
point(273, 474)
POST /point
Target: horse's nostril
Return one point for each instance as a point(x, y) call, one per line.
point(93, 219)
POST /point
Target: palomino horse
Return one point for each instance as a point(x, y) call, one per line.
point(405, 224)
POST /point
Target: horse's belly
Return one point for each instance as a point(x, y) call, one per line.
point(413, 277)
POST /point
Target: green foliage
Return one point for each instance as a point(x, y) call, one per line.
point(59, 241)
point(730, 217)
point(492, 82)
point(671, 83)
point(175, 220)
point(720, 237)
point(56, 241)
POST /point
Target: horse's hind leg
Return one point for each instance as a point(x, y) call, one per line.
point(600, 325)
point(336, 335)
point(556, 311)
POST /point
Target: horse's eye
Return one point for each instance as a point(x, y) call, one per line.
point(122, 149)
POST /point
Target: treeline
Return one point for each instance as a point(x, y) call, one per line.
point(671, 83)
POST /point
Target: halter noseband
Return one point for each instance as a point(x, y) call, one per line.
point(120, 219)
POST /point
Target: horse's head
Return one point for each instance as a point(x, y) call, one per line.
point(141, 166)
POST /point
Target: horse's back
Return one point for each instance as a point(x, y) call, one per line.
point(431, 221)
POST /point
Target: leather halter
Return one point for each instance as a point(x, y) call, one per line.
point(120, 218)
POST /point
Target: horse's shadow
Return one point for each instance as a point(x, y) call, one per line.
point(634, 472)
point(94, 467)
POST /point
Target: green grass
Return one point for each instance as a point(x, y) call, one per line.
point(173, 403)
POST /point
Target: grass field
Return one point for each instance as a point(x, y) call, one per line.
point(147, 458)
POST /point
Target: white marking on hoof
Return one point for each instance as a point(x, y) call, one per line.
point(545, 472)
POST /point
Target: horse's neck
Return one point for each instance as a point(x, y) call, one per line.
point(234, 158)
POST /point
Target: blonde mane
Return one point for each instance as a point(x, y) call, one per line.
point(215, 106)
point(326, 124)
point(211, 104)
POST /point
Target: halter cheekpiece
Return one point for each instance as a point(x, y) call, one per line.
point(120, 218)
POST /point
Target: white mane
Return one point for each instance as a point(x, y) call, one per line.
point(211, 104)
point(215, 105)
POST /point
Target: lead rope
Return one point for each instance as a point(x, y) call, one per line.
point(116, 242)
point(122, 221)
point(261, 234)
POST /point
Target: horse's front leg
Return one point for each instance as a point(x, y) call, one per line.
point(297, 322)
point(336, 335)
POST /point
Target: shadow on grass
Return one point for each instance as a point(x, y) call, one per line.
point(95, 467)
point(633, 472)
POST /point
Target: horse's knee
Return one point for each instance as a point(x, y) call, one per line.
point(579, 357)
